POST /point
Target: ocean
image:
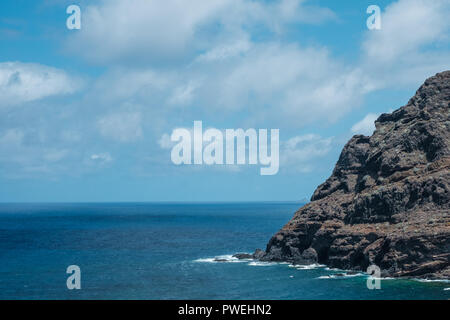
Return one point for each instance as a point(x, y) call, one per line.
point(167, 251)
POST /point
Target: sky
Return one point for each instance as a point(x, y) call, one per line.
point(86, 115)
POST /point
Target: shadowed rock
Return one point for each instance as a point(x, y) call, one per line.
point(243, 256)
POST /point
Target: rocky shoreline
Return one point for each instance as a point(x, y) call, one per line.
point(387, 201)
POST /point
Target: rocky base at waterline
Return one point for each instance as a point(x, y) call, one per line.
point(387, 200)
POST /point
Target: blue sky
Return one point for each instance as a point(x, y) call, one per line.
point(85, 114)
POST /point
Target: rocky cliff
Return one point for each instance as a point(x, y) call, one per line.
point(387, 201)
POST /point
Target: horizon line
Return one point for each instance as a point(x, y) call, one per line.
point(155, 202)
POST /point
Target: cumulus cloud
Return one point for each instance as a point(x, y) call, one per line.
point(26, 82)
point(287, 82)
point(167, 30)
point(404, 51)
point(223, 60)
point(121, 127)
point(407, 26)
point(299, 153)
point(275, 81)
point(366, 126)
point(117, 29)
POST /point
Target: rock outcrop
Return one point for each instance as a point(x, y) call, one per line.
point(387, 201)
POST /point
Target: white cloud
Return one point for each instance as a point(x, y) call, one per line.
point(101, 157)
point(183, 94)
point(226, 51)
point(300, 153)
point(406, 27)
point(366, 126)
point(150, 30)
point(122, 126)
point(147, 29)
point(165, 142)
point(25, 82)
point(284, 82)
point(165, 54)
point(404, 51)
point(294, 11)
point(273, 81)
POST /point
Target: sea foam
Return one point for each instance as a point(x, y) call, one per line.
point(227, 258)
point(307, 267)
point(341, 276)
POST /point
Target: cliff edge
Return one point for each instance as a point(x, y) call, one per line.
point(387, 200)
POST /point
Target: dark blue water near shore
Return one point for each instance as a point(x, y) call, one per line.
point(166, 251)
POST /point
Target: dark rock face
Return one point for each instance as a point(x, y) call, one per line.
point(243, 256)
point(387, 201)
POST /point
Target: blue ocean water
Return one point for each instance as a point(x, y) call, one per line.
point(166, 251)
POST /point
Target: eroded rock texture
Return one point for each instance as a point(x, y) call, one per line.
point(387, 200)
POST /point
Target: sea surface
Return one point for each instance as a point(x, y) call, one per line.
point(167, 251)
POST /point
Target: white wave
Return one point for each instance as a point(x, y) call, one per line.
point(211, 260)
point(345, 275)
point(433, 280)
point(332, 269)
point(262, 264)
point(341, 276)
point(306, 266)
point(310, 267)
point(446, 289)
point(227, 258)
